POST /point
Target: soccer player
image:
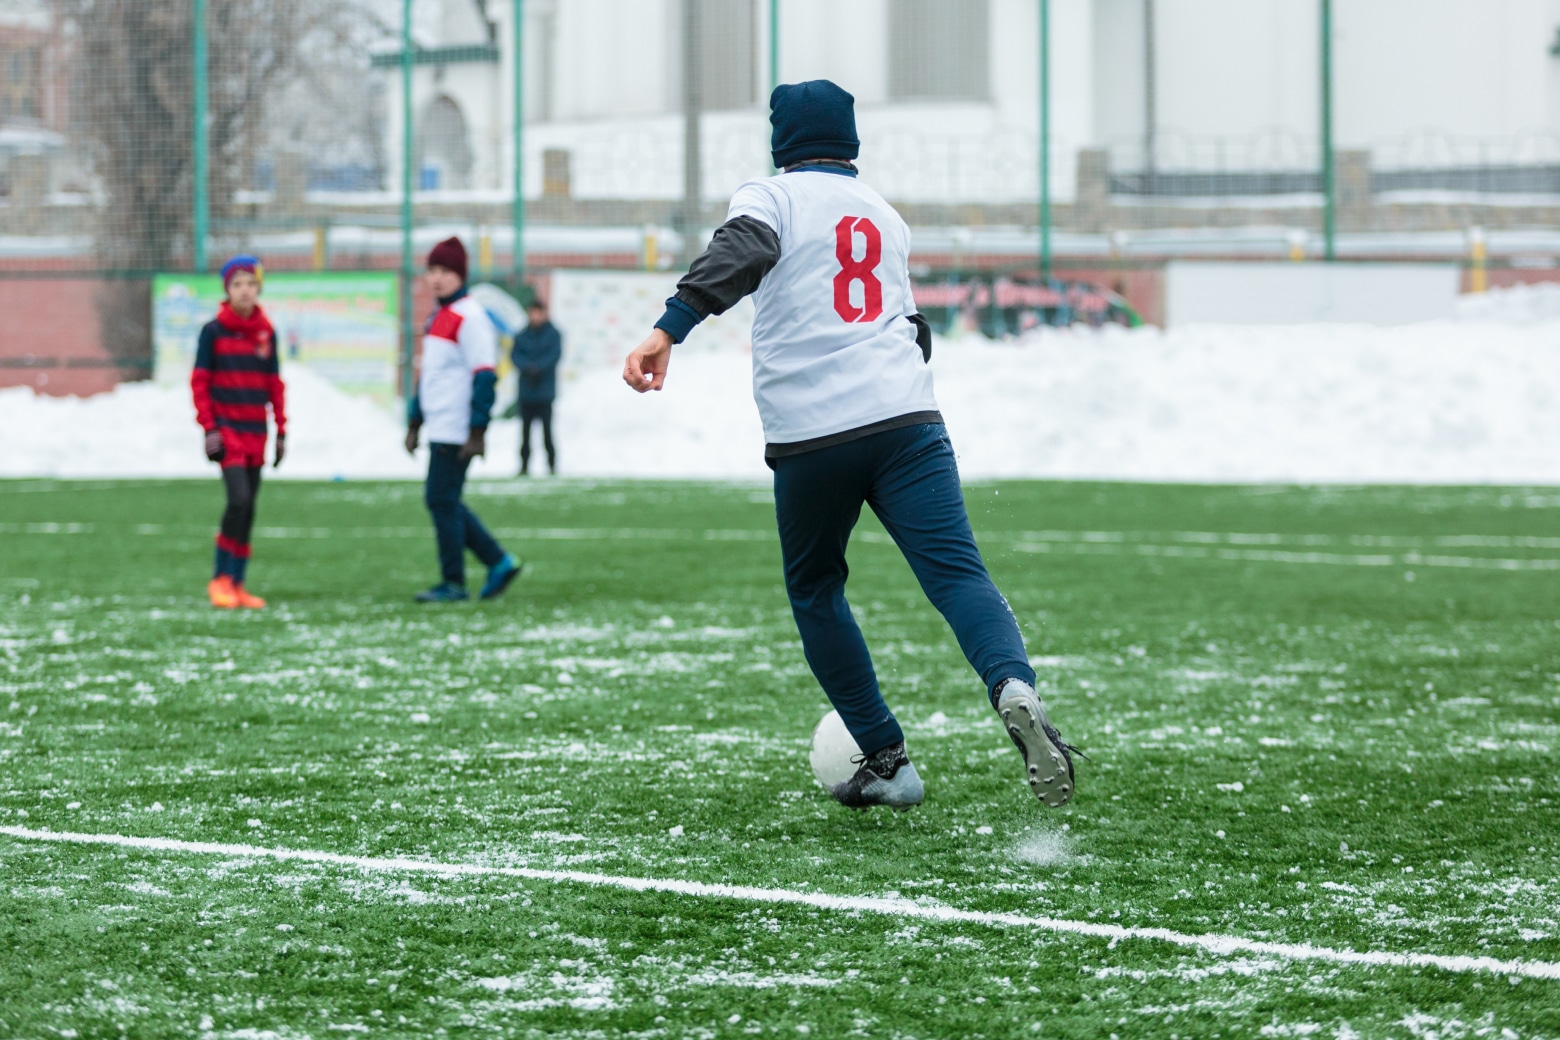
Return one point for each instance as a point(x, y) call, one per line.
point(455, 399)
point(841, 378)
point(536, 352)
point(236, 375)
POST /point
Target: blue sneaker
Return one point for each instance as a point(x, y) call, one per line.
point(445, 592)
point(501, 575)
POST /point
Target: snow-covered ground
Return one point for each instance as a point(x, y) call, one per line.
point(1476, 400)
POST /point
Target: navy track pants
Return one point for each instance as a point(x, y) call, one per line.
point(910, 480)
point(456, 527)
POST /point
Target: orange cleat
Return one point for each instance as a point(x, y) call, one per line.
point(245, 599)
point(222, 591)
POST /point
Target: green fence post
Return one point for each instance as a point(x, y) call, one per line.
point(199, 200)
point(774, 45)
point(517, 215)
point(406, 199)
point(774, 54)
point(1329, 186)
point(1045, 140)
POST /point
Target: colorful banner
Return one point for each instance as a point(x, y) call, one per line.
point(340, 325)
point(1000, 307)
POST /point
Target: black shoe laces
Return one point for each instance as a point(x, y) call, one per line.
point(884, 763)
point(1070, 749)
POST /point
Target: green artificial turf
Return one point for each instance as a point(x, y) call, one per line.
point(1321, 716)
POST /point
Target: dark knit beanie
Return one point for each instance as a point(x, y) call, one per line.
point(812, 120)
point(451, 255)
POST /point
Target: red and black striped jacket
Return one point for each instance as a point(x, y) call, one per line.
point(236, 375)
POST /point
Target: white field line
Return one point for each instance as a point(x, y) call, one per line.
point(1194, 545)
point(1198, 552)
point(1221, 945)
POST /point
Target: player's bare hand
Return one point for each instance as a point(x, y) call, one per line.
point(645, 368)
point(411, 438)
point(476, 444)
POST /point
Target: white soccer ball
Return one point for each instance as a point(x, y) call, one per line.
point(832, 750)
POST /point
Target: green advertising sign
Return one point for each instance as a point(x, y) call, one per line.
point(339, 325)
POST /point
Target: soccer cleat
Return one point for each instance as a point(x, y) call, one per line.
point(444, 592)
point(222, 592)
point(500, 575)
point(886, 777)
point(246, 599)
point(1047, 758)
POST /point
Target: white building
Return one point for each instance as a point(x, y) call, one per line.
point(948, 90)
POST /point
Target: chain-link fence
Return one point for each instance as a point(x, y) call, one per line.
point(142, 138)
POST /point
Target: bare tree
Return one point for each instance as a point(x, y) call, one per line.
point(133, 100)
point(134, 103)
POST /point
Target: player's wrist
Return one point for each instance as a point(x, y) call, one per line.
point(677, 321)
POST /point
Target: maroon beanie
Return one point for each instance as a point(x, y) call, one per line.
point(451, 255)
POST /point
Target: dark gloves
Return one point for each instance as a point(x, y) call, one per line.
point(476, 443)
point(411, 437)
point(281, 449)
point(215, 449)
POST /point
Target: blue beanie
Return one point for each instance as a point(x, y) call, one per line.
point(812, 120)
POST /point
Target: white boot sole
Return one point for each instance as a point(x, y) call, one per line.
point(1046, 766)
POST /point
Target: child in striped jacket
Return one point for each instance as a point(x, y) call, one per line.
point(236, 375)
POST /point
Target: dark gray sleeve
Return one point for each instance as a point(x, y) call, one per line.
point(741, 253)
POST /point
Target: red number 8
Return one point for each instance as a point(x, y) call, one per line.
point(853, 270)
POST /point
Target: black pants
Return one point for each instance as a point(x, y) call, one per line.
point(242, 484)
point(529, 413)
point(456, 527)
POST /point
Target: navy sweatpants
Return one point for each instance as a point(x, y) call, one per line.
point(456, 527)
point(909, 478)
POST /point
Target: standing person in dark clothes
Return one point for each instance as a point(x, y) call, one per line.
point(236, 375)
point(536, 353)
point(454, 400)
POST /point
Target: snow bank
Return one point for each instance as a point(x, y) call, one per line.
point(1467, 401)
point(148, 430)
point(1441, 402)
point(1514, 305)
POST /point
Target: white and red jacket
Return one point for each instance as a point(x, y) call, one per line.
point(456, 387)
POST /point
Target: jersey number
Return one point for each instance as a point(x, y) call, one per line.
point(853, 270)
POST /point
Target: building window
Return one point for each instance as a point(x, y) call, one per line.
point(727, 45)
point(443, 151)
point(938, 50)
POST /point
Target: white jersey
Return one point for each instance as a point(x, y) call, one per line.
point(460, 342)
point(832, 349)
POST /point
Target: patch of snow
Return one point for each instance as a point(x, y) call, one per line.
point(752, 980)
point(1045, 849)
point(1512, 305)
point(1443, 402)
